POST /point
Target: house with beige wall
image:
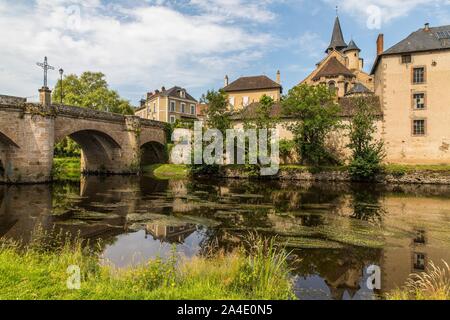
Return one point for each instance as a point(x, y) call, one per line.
point(168, 105)
point(247, 90)
point(412, 79)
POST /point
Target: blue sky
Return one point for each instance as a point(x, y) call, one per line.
point(142, 45)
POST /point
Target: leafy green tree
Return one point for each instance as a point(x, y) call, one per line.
point(217, 114)
point(367, 152)
point(90, 90)
point(315, 114)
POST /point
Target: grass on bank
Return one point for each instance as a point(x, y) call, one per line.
point(66, 169)
point(167, 171)
point(433, 284)
point(39, 271)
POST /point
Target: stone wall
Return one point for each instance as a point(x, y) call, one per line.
point(299, 174)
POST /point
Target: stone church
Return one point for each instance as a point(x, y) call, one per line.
point(342, 68)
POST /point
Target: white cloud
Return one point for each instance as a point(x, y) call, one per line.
point(138, 48)
point(388, 9)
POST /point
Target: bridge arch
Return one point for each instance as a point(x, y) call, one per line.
point(7, 147)
point(153, 152)
point(100, 153)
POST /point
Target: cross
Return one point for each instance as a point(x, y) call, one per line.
point(46, 67)
point(337, 10)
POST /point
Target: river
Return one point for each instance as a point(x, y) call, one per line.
point(334, 231)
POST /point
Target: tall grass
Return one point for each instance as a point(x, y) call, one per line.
point(433, 284)
point(39, 271)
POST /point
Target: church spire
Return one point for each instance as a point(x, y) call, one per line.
point(337, 39)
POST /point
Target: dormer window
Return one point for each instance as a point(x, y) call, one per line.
point(182, 94)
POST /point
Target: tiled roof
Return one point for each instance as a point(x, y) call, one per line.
point(252, 83)
point(333, 68)
point(347, 109)
point(352, 46)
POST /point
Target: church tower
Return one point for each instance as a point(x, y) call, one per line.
point(352, 54)
point(337, 38)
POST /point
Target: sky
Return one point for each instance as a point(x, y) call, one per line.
point(142, 45)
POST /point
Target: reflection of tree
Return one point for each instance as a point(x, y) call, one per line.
point(366, 203)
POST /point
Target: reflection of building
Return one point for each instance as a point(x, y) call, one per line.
point(168, 105)
point(247, 90)
point(171, 234)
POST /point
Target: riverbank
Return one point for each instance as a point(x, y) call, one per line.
point(66, 169)
point(41, 272)
point(166, 171)
point(392, 174)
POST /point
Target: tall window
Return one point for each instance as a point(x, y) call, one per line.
point(332, 86)
point(419, 128)
point(192, 108)
point(172, 106)
point(245, 101)
point(154, 106)
point(419, 75)
point(419, 101)
point(183, 107)
point(172, 119)
point(231, 101)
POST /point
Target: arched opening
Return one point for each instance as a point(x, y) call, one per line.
point(97, 153)
point(153, 153)
point(332, 86)
point(6, 147)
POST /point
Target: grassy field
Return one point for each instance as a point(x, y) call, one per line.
point(40, 272)
point(66, 169)
point(167, 171)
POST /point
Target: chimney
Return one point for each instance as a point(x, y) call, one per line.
point(380, 44)
point(225, 81)
point(427, 27)
point(278, 77)
point(163, 89)
point(45, 96)
point(149, 94)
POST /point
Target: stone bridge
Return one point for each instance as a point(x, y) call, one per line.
point(110, 143)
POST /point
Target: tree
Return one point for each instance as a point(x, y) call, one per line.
point(90, 90)
point(367, 152)
point(315, 114)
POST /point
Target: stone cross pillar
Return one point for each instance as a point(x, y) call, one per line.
point(45, 96)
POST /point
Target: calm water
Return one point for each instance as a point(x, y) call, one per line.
point(335, 230)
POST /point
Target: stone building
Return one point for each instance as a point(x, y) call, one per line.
point(247, 90)
point(412, 80)
point(168, 105)
point(342, 68)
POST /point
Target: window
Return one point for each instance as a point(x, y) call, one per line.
point(231, 101)
point(419, 128)
point(172, 119)
point(346, 88)
point(154, 106)
point(419, 261)
point(332, 86)
point(406, 58)
point(419, 101)
point(192, 108)
point(172, 106)
point(245, 101)
point(418, 75)
point(182, 94)
point(183, 107)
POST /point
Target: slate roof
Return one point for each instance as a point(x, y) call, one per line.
point(422, 40)
point(418, 41)
point(358, 88)
point(333, 68)
point(352, 46)
point(174, 92)
point(252, 83)
point(337, 38)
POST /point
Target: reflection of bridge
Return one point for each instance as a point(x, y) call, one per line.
point(110, 143)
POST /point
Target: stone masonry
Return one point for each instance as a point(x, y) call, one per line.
point(110, 143)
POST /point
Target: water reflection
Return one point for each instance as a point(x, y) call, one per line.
point(335, 230)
